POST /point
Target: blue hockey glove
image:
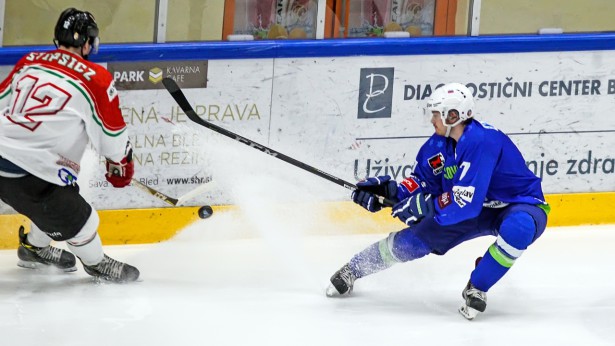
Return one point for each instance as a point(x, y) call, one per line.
point(412, 209)
point(366, 190)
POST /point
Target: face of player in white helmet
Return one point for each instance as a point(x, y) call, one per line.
point(442, 127)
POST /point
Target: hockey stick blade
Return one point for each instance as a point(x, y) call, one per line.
point(170, 200)
point(193, 193)
point(183, 103)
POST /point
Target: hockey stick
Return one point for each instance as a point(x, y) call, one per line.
point(168, 199)
point(183, 103)
point(192, 193)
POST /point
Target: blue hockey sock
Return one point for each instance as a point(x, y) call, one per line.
point(369, 261)
point(515, 235)
point(397, 247)
point(487, 272)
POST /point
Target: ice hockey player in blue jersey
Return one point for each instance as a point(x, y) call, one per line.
point(469, 180)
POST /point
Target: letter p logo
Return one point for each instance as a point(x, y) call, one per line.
point(375, 93)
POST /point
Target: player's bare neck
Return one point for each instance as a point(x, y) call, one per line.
point(456, 132)
point(74, 50)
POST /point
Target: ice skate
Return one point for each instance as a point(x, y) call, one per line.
point(475, 302)
point(33, 257)
point(112, 270)
point(341, 282)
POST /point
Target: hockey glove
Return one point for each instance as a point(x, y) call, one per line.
point(119, 174)
point(366, 190)
point(410, 187)
point(412, 209)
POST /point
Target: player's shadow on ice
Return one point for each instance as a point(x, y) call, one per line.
point(412, 304)
point(22, 281)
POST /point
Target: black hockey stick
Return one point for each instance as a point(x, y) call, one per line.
point(183, 103)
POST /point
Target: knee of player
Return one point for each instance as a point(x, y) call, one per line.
point(516, 233)
point(87, 231)
point(518, 230)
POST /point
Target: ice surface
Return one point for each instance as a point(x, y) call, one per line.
point(257, 276)
point(210, 287)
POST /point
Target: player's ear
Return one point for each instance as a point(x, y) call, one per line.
point(87, 47)
point(452, 116)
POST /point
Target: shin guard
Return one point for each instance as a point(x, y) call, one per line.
point(86, 244)
point(398, 247)
point(516, 233)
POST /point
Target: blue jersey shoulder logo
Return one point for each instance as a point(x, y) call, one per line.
point(436, 163)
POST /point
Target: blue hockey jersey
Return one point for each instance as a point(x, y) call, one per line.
point(484, 169)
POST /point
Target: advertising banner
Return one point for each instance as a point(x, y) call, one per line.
point(173, 154)
point(364, 116)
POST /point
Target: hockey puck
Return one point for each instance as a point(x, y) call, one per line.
point(205, 212)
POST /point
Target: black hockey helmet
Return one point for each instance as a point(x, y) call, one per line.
point(74, 28)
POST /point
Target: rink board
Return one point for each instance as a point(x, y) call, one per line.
point(142, 226)
point(353, 108)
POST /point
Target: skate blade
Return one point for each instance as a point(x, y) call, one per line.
point(41, 266)
point(103, 280)
point(332, 292)
point(468, 312)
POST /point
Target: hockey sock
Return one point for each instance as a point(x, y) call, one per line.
point(36, 237)
point(516, 234)
point(370, 261)
point(90, 253)
point(86, 244)
point(488, 271)
point(397, 247)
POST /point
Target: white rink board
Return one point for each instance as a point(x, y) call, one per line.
point(309, 110)
point(170, 147)
point(558, 132)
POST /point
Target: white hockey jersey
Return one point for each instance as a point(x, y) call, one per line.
point(52, 104)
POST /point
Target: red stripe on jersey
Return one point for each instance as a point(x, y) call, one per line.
point(108, 111)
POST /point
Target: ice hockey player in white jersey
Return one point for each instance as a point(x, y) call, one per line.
point(53, 104)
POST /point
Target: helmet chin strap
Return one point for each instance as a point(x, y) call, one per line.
point(448, 130)
point(449, 127)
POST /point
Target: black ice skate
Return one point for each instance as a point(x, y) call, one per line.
point(33, 257)
point(341, 282)
point(112, 270)
point(475, 301)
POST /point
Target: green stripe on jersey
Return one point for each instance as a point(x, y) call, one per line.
point(545, 207)
point(95, 115)
point(7, 92)
point(85, 94)
point(59, 75)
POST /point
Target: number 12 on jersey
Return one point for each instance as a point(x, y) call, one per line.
point(34, 98)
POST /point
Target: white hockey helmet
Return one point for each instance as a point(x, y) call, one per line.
point(452, 97)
